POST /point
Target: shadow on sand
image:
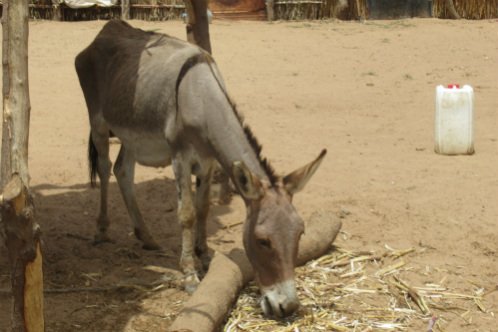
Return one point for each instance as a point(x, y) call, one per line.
point(67, 217)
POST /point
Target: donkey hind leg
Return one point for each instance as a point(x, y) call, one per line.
point(203, 184)
point(99, 152)
point(124, 169)
point(187, 219)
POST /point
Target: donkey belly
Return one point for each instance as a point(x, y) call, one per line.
point(152, 154)
point(147, 150)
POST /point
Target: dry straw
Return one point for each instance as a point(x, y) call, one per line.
point(362, 291)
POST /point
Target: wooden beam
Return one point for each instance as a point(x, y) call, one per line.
point(22, 234)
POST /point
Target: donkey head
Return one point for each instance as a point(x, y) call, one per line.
point(271, 233)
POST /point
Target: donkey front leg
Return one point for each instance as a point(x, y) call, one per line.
point(186, 218)
point(203, 185)
point(221, 177)
point(124, 169)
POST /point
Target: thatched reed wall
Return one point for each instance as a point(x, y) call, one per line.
point(345, 9)
point(156, 10)
point(150, 10)
point(357, 9)
point(88, 14)
point(298, 9)
point(284, 10)
point(469, 9)
point(319, 9)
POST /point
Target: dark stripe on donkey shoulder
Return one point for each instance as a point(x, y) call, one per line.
point(189, 64)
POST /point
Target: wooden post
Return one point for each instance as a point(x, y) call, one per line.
point(56, 12)
point(198, 23)
point(125, 9)
point(22, 234)
point(270, 15)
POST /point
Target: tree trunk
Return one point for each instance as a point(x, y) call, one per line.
point(125, 9)
point(198, 23)
point(21, 233)
point(452, 11)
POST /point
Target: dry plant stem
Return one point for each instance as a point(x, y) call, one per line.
point(414, 295)
point(227, 275)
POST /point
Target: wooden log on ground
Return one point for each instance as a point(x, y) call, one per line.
point(227, 275)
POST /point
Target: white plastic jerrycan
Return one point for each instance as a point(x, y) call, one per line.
point(454, 132)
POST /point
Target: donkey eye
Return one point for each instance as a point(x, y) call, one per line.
point(265, 243)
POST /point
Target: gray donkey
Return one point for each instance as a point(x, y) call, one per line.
point(166, 101)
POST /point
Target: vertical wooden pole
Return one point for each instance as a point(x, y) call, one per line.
point(270, 15)
point(198, 23)
point(125, 9)
point(21, 233)
point(57, 12)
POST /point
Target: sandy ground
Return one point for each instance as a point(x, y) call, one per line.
point(363, 91)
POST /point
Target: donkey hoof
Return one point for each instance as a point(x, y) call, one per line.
point(151, 246)
point(191, 283)
point(100, 238)
point(205, 260)
point(147, 240)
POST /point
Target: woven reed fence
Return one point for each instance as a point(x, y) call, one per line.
point(469, 9)
point(149, 10)
point(356, 9)
point(319, 9)
point(159, 10)
point(156, 10)
point(298, 9)
point(38, 9)
point(87, 14)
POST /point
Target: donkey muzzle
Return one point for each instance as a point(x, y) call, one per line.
point(280, 300)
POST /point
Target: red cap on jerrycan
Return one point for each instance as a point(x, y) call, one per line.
point(453, 86)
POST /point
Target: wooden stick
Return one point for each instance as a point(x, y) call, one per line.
point(227, 275)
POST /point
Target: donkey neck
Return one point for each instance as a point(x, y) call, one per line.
point(206, 108)
point(230, 141)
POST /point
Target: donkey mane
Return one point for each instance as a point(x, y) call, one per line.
point(205, 57)
point(257, 147)
point(253, 141)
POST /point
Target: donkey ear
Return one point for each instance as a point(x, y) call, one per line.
point(296, 180)
point(246, 182)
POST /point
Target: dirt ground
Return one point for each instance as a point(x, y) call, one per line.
point(365, 91)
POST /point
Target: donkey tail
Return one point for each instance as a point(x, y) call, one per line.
point(93, 158)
